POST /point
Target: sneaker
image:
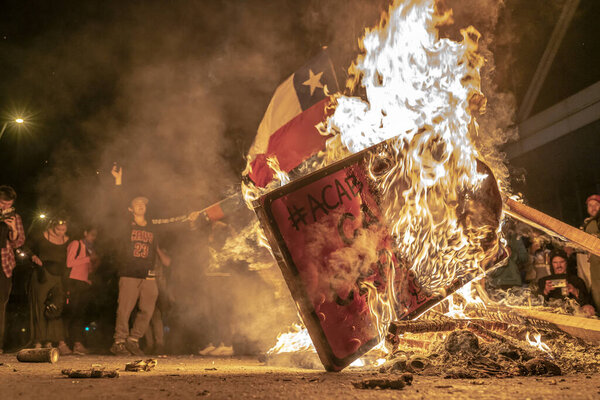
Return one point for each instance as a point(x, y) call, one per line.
point(79, 349)
point(48, 345)
point(134, 347)
point(63, 349)
point(118, 349)
point(37, 345)
point(206, 350)
point(159, 349)
point(222, 350)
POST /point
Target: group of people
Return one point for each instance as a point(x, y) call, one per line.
point(59, 287)
point(555, 273)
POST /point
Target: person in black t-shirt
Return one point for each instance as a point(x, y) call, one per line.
point(136, 283)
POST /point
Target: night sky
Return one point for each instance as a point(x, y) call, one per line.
point(174, 90)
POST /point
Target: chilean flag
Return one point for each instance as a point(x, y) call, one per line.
point(287, 130)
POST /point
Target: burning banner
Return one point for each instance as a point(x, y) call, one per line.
point(401, 208)
point(386, 233)
point(334, 248)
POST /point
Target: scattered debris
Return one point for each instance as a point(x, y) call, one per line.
point(396, 384)
point(141, 365)
point(540, 366)
point(461, 342)
point(38, 355)
point(417, 364)
point(95, 372)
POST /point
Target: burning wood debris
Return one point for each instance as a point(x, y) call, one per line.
point(403, 210)
point(485, 343)
point(501, 344)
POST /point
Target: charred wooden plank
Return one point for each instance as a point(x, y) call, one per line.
point(400, 327)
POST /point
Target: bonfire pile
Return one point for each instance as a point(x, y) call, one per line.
point(487, 344)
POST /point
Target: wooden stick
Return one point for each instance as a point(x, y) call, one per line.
point(587, 329)
point(486, 334)
point(400, 327)
point(537, 218)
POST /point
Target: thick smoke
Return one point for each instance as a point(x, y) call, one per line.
point(174, 92)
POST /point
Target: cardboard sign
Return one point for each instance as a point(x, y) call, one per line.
point(327, 234)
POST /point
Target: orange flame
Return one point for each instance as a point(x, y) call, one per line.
point(419, 94)
point(538, 344)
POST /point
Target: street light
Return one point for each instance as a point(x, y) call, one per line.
point(16, 120)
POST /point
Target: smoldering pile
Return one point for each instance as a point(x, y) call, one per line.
point(483, 348)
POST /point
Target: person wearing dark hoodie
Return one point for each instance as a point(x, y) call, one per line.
point(560, 285)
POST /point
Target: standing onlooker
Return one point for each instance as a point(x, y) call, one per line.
point(82, 260)
point(12, 236)
point(136, 285)
point(592, 226)
point(47, 286)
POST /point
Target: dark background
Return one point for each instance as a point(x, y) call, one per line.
point(174, 91)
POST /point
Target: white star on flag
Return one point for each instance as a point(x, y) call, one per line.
point(314, 81)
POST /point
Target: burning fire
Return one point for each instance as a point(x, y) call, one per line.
point(458, 301)
point(297, 339)
point(538, 344)
point(420, 94)
point(419, 90)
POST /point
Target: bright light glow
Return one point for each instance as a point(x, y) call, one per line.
point(358, 363)
point(297, 339)
point(538, 344)
point(42, 216)
point(19, 120)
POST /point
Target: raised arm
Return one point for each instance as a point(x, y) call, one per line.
point(117, 173)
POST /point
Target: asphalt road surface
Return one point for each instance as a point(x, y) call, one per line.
point(182, 377)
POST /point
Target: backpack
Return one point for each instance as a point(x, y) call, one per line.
point(55, 303)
